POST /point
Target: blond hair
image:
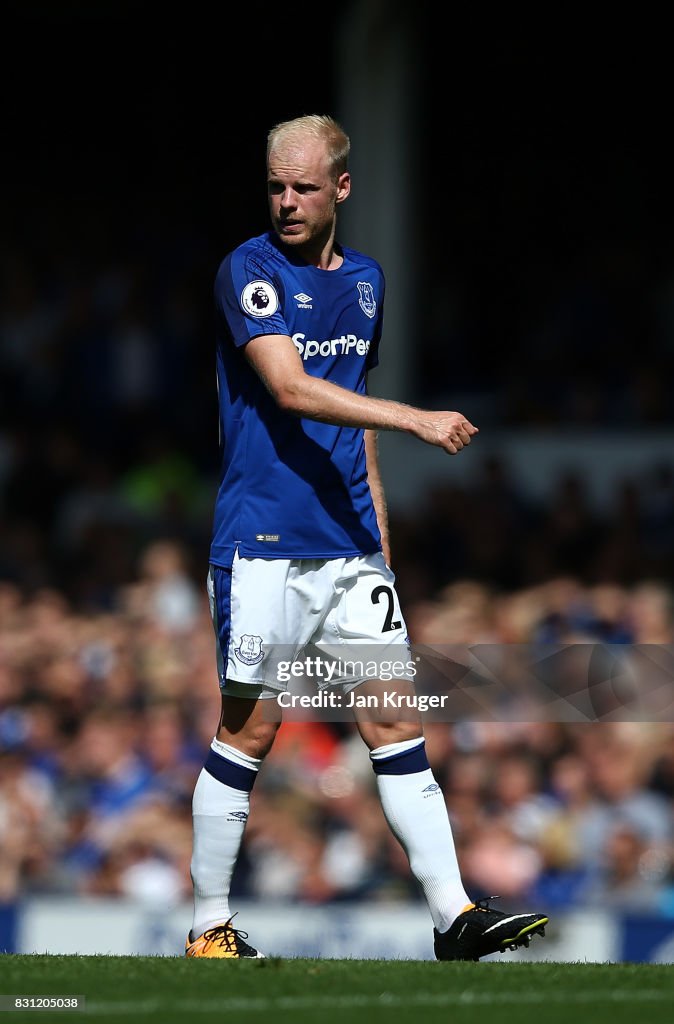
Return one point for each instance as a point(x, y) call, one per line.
point(317, 126)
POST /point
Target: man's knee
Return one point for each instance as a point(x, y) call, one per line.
point(381, 723)
point(380, 734)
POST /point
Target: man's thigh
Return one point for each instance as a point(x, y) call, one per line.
point(365, 634)
point(367, 609)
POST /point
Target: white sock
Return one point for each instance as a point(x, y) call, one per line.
point(416, 812)
point(219, 816)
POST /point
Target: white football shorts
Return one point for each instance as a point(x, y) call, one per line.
point(269, 611)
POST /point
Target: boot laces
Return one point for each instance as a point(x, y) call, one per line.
point(232, 939)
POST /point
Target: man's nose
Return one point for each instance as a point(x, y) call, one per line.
point(288, 198)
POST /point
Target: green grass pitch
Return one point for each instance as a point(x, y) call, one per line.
point(169, 989)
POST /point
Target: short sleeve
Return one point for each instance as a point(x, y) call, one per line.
point(248, 295)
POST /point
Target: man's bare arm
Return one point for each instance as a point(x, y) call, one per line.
point(278, 364)
point(377, 491)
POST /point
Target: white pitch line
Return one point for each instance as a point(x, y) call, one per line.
point(256, 1003)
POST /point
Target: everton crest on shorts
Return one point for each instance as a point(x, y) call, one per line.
point(266, 611)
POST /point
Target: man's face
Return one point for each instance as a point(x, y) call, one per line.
point(302, 192)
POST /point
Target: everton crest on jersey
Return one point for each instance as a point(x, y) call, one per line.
point(290, 487)
point(367, 301)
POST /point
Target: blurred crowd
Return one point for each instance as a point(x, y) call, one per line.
point(106, 714)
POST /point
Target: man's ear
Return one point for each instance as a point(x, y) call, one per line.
point(343, 187)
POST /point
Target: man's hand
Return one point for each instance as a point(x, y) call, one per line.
point(448, 430)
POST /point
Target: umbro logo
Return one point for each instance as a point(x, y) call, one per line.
point(304, 301)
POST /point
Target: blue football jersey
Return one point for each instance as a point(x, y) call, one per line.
point(291, 487)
